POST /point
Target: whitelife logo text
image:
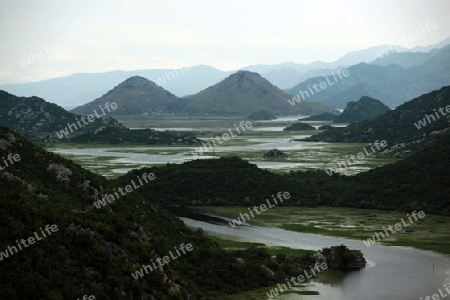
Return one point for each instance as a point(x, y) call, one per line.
point(49, 229)
point(111, 198)
point(86, 120)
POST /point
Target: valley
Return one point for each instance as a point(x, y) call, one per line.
point(113, 161)
point(303, 157)
point(312, 224)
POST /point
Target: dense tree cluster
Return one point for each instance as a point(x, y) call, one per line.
point(414, 183)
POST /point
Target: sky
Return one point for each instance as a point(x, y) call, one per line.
point(52, 38)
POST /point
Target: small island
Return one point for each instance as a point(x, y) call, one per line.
point(341, 258)
point(275, 153)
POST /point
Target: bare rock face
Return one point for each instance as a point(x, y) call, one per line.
point(62, 173)
point(7, 141)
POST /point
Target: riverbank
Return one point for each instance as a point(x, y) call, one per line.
point(315, 286)
point(423, 272)
point(430, 233)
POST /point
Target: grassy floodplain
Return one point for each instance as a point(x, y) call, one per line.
point(430, 233)
point(249, 145)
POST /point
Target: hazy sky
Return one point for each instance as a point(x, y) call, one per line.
point(67, 37)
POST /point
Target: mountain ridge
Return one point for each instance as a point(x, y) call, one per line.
point(398, 126)
point(80, 88)
point(245, 92)
point(392, 83)
point(47, 123)
point(135, 95)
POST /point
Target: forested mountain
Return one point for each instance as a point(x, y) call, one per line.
point(409, 127)
point(39, 120)
point(363, 109)
point(95, 251)
point(46, 123)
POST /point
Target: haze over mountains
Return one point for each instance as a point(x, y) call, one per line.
point(241, 93)
point(392, 84)
point(81, 88)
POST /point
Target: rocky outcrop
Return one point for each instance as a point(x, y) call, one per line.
point(62, 173)
point(341, 258)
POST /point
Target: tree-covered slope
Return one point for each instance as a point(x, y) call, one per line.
point(418, 182)
point(39, 120)
point(407, 125)
point(95, 251)
point(363, 109)
point(46, 123)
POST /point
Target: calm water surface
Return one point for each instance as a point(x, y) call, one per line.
point(392, 273)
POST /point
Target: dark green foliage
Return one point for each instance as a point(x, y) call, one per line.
point(39, 121)
point(363, 109)
point(325, 127)
point(119, 136)
point(299, 126)
point(397, 126)
point(95, 251)
point(340, 258)
point(418, 182)
point(321, 117)
point(274, 153)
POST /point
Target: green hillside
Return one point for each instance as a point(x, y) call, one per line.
point(418, 182)
point(400, 126)
point(363, 109)
point(46, 124)
point(94, 251)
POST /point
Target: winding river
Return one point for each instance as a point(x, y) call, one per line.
point(395, 273)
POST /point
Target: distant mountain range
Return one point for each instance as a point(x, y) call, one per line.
point(392, 83)
point(242, 93)
point(246, 92)
point(136, 95)
point(363, 109)
point(81, 88)
point(410, 127)
point(286, 75)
